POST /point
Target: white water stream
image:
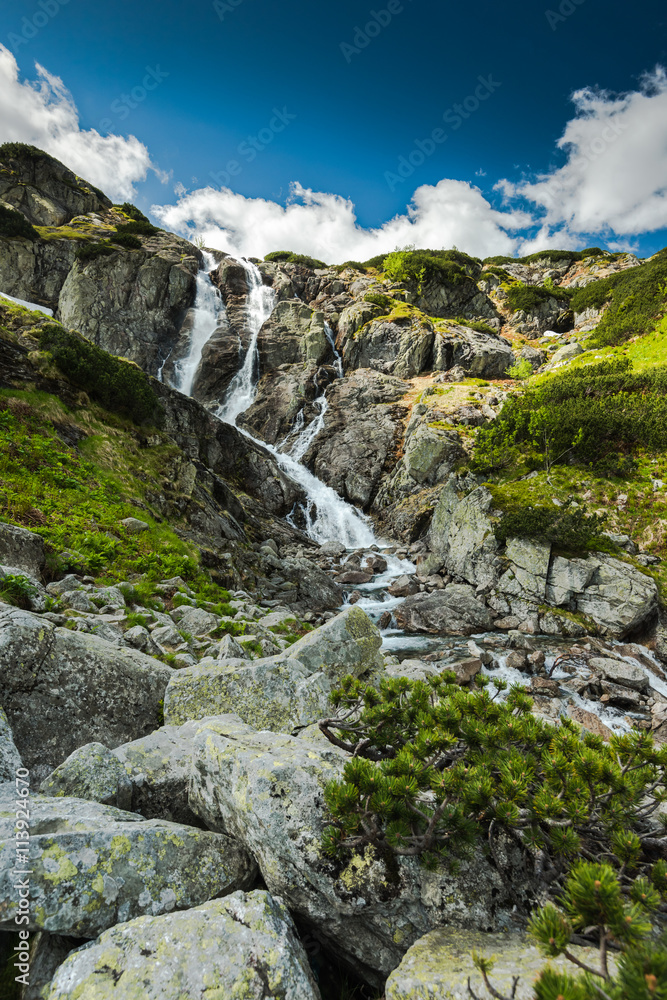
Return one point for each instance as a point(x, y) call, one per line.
point(209, 309)
point(327, 517)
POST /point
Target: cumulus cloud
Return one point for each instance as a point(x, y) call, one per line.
point(615, 176)
point(43, 113)
point(325, 225)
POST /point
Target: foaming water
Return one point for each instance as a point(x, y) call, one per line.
point(260, 303)
point(209, 313)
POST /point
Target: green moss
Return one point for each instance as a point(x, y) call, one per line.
point(289, 257)
point(92, 251)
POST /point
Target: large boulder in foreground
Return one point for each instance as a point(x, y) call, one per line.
point(243, 946)
point(267, 791)
point(62, 689)
point(279, 693)
point(10, 759)
point(94, 866)
point(437, 967)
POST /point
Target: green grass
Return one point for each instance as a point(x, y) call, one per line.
point(637, 301)
point(75, 498)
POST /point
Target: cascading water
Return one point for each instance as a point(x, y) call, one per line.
point(260, 304)
point(326, 516)
point(208, 311)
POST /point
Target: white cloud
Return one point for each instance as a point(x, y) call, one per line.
point(325, 225)
point(615, 177)
point(43, 113)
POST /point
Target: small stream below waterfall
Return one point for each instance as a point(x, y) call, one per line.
point(327, 517)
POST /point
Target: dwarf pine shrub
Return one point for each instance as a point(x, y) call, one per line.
point(438, 770)
point(583, 413)
point(593, 903)
point(13, 223)
point(117, 384)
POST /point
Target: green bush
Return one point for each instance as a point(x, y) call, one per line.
point(355, 265)
point(13, 223)
point(568, 527)
point(530, 297)
point(439, 770)
point(17, 589)
point(117, 384)
point(91, 251)
point(473, 324)
point(127, 240)
point(521, 370)
point(636, 300)
point(133, 212)
point(378, 299)
point(21, 151)
point(289, 257)
point(138, 227)
point(583, 414)
point(424, 265)
point(594, 902)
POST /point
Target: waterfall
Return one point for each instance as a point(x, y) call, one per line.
point(327, 517)
point(260, 304)
point(208, 310)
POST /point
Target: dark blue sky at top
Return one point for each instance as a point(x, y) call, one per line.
point(353, 120)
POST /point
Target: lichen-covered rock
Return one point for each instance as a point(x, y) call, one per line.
point(21, 549)
point(242, 946)
point(347, 644)
point(278, 692)
point(453, 611)
point(293, 334)
point(46, 191)
point(462, 534)
point(47, 953)
point(480, 355)
point(619, 597)
point(158, 767)
point(437, 967)
point(527, 576)
point(35, 270)
point(94, 866)
point(91, 772)
point(62, 689)
point(10, 759)
point(361, 435)
point(267, 791)
point(132, 303)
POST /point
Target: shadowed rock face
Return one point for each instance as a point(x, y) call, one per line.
point(46, 191)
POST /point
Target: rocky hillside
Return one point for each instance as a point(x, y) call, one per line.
point(171, 634)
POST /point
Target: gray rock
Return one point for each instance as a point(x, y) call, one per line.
point(619, 598)
point(566, 353)
point(47, 953)
point(10, 759)
point(279, 692)
point(229, 649)
point(110, 597)
point(134, 526)
point(267, 791)
point(22, 550)
point(158, 767)
point(242, 946)
point(347, 644)
point(462, 534)
point(527, 575)
point(194, 620)
point(46, 191)
point(437, 967)
point(453, 611)
point(620, 672)
point(91, 772)
point(62, 689)
point(94, 866)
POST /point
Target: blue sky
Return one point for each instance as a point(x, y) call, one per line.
point(338, 111)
